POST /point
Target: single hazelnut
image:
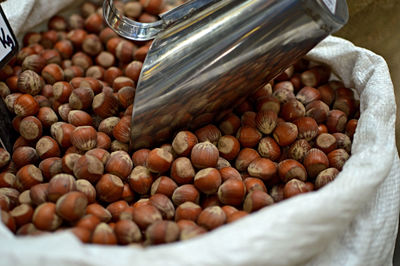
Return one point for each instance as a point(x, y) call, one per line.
point(122, 129)
point(4, 157)
point(81, 98)
point(256, 200)
point(253, 183)
point(236, 216)
point(71, 206)
point(38, 193)
point(326, 142)
point(248, 136)
point(230, 125)
point(30, 82)
point(327, 94)
point(22, 214)
point(8, 221)
point(104, 235)
point(207, 180)
point(298, 149)
point(343, 141)
point(183, 143)
point(146, 215)
point(228, 147)
point(204, 154)
point(127, 232)
point(68, 162)
point(140, 180)
point(229, 172)
point(30, 128)
point(262, 168)
point(232, 192)
point(336, 121)
point(351, 127)
point(84, 138)
point(289, 169)
point(294, 187)
point(337, 158)
point(109, 188)
point(326, 176)
point(28, 176)
point(285, 133)
point(292, 110)
point(186, 192)
point(59, 185)
point(245, 157)
point(315, 161)
point(159, 160)
point(26, 105)
point(47, 116)
point(107, 125)
point(51, 167)
point(164, 205)
point(269, 103)
point(119, 164)
point(187, 211)
point(182, 170)
point(99, 211)
point(211, 217)
point(46, 218)
point(163, 185)
point(139, 157)
point(86, 188)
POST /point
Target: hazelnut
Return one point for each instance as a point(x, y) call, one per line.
point(351, 127)
point(236, 216)
point(266, 121)
point(292, 110)
point(276, 192)
point(88, 167)
point(62, 133)
point(82, 234)
point(86, 188)
point(59, 185)
point(248, 119)
point(107, 125)
point(307, 128)
point(327, 94)
point(47, 147)
point(38, 193)
point(81, 98)
point(285, 133)
point(337, 158)
point(298, 149)
point(248, 136)
point(187, 211)
point(26, 105)
point(162, 232)
point(317, 110)
point(294, 187)
point(315, 161)
point(289, 169)
point(159, 160)
point(326, 142)
point(230, 125)
point(126, 96)
point(308, 94)
point(22, 214)
point(4, 157)
point(109, 188)
point(7, 179)
point(253, 183)
point(163, 185)
point(51, 167)
point(283, 95)
point(268, 148)
point(30, 128)
point(119, 164)
point(133, 70)
point(262, 168)
point(52, 73)
point(140, 179)
point(28, 176)
point(71, 206)
point(146, 215)
point(105, 59)
point(68, 162)
point(222, 162)
point(47, 116)
point(245, 157)
point(112, 73)
point(30, 82)
point(186, 192)
point(105, 104)
point(104, 235)
point(343, 141)
point(84, 138)
point(232, 192)
point(116, 208)
point(103, 141)
point(79, 118)
point(82, 60)
point(46, 218)
point(326, 176)
point(336, 121)
point(182, 170)
point(139, 157)
point(208, 133)
point(99, 211)
point(121, 130)
point(127, 232)
point(8, 221)
point(256, 200)
point(229, 172)
point(164, 205)
point(207, 180)
point(122, 81)
point(228, 147)
point(204, 154)
point(183, 143)
point(124, 51)
point(211, 217)
point(269, 103)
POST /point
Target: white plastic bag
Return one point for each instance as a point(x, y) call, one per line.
point(352, 221)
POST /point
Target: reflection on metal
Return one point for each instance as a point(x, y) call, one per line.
point(206, 62)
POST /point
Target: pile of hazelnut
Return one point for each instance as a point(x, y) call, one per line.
point(71, 90)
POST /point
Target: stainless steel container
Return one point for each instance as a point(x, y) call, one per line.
point(208, 55)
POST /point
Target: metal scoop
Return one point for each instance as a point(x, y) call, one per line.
point(208, 55)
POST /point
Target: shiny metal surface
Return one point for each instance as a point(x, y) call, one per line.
point(199, 67)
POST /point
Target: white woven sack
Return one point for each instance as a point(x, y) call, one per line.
point(351, 221)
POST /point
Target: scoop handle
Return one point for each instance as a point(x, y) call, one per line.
point(138, 31)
